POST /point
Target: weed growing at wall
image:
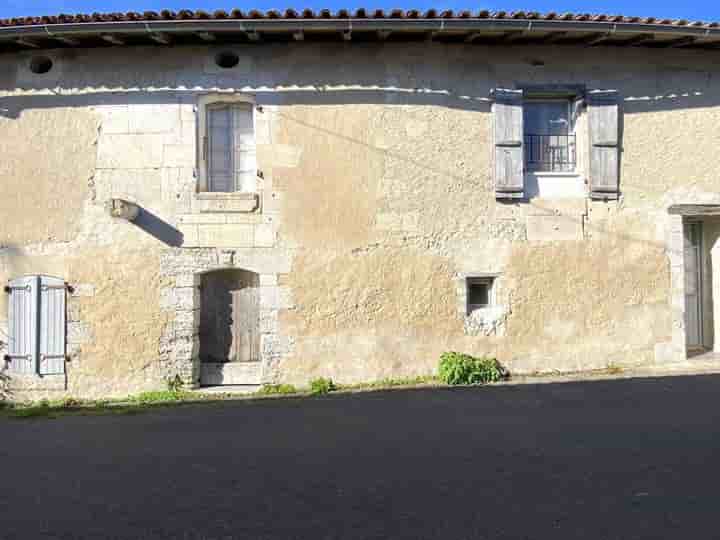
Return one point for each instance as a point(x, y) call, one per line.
point(458, 368)
point(274, 389)
point(322, 385)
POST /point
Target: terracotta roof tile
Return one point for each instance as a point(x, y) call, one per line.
point(360, 13)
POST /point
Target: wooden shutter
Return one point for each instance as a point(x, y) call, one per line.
point(51, 359)
point(22, 324)
point(508, 132)
point(604, 124)
point(244, 147)
point(219, 148)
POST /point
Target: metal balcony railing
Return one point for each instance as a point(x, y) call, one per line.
point(550, 153)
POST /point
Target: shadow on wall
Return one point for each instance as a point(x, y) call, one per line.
point(156, 227)
point(455, 76)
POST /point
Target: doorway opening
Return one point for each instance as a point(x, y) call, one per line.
point(700, 256)
point(229, 328)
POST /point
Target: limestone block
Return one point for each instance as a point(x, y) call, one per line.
point(185, 348)
point(179, 155)
point(666, 353)
point(153, 118)
point(253, 218)
point(272, 201)
point(554, 228)
point(557, 207)
point(140, 185)
point(264, 235)
point(189, 234)
point(269, 297)
point(268, 279)
point(225, 235)
point(226, 202)
point(186, 298)
point(187, 322)
point(274, 297)
point(202, 218)
point(131, 151)
point(268, 321)
point(187, 280)
point(114, 119)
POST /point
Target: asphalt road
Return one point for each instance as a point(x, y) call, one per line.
point(617, 459)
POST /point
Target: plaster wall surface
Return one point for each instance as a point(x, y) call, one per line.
point(375, 200)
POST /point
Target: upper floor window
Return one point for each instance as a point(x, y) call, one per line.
point(549, 135)
point(227, 149)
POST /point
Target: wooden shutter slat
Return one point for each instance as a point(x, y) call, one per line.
point(51, 359)
point(509, 170)
point(22, 324)
point(604, 126)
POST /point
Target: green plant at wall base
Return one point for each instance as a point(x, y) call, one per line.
point(159, 396)
point(458, 368)
point(272, 389)
point(322, 385)
point(174, 384)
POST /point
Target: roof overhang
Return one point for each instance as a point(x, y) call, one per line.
point(487, 31)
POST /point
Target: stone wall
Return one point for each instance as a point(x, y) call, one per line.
point(374, 205)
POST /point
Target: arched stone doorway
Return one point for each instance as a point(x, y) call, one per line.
point(229, 331)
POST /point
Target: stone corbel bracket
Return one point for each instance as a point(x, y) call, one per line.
point(122, 209)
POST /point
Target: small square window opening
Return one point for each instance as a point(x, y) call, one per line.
point(479, 293)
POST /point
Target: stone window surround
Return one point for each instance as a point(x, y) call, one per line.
point(207, 201)
point(486, 321)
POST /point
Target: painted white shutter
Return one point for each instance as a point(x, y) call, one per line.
point(508, 137)
point(244, 148)
point(51, 359)
point(604, 124)
point(22, 324)
point(219, 149)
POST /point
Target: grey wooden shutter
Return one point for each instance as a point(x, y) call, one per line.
point(244, 147)
point(51, 358)
point(604, 124)
point(22, 324)
point(220, 149)
point(508, 137)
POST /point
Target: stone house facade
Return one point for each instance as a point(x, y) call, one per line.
point(229, 200)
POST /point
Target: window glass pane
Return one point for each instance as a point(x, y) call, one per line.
point(547, 117)
point(478, 294)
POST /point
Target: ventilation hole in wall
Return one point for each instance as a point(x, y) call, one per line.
point(227, 60)
point(40, 64)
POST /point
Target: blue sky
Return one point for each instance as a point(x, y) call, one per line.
point(708, 10)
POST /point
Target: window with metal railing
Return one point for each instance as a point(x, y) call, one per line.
point(550, 144)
